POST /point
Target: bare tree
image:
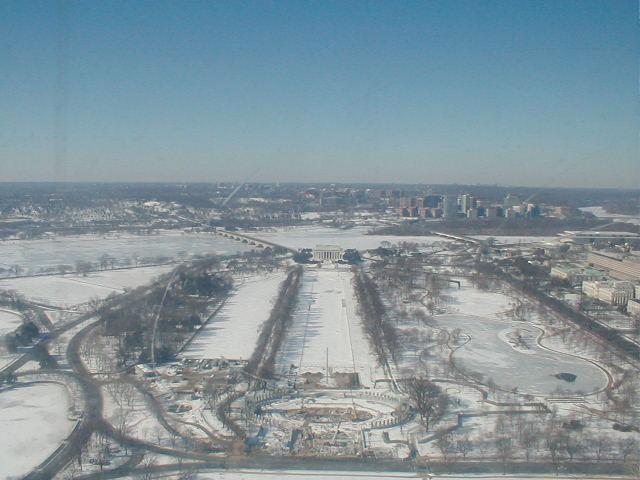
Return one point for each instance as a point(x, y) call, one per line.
point(572, 446)
point(122, 422)
point(428, 398)
point(447, 449)
point(504, 450)
point(530, 439)
point(600, 446)
point(553, 442)
point(83, 267)
point(464, 445)
point(628, 446)
point(146, 467)
point(103, 451)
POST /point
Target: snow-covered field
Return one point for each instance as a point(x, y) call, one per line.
point(233, 332)
point(33, 422)
point(310, 236)
point(32, 255)
point(306, 475)
point(9, 321)
point(125, 407)
point(122, 279)
point(469, 300)
point(326, 318)
point(69, 290)
point(7, 358)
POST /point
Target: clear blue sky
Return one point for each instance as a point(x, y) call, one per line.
point(510, 92)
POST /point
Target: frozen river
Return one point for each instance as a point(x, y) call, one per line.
point(31, 255)
point(600, 212)
point(310, 236)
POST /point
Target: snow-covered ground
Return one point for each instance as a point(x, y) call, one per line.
point(126, 408)
point(9, 321)
point(363, 475)
point(310, 236)
point(306, 475)
point(32, 255)
point(469, 300)
point(69, 290)
point(326, 319)
point(7, 358)
point(490, 353)
point(124, 278)
point(33, 422)
point(234, 330)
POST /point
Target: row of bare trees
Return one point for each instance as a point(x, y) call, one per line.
point(272, 333)
point(517, 436)
point(380, 330)
point(192, 289)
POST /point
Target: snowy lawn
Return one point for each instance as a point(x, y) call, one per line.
point(58, 291)
point(33, 422)
point(123, 278)
point(469, 300)
point(234, 330)
point(326, 319)
point(9, 321)
point(69, 290)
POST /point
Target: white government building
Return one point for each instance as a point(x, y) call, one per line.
point(327, 253)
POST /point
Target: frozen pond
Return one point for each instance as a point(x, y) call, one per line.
point(233, 332)
point(33, 422)
point(31, 255)
point(309, 237)
point(529, 368)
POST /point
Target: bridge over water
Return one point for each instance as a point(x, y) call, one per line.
point(254, 241)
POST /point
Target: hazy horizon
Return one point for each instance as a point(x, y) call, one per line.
point(382, 184)
point(532, 94)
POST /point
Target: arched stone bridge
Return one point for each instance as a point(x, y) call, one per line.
point(253, 241)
